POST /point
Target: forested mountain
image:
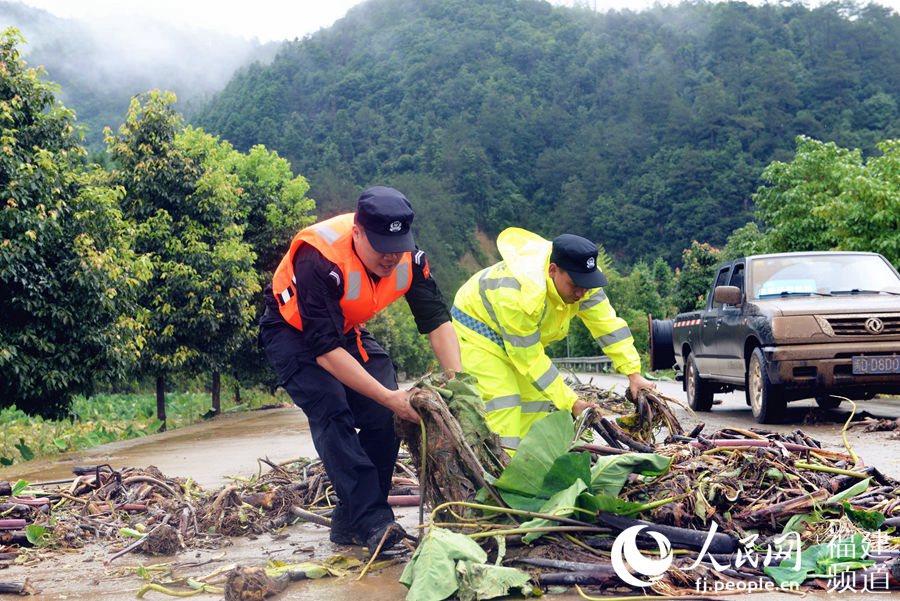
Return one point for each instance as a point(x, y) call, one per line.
point(640, 130)
point(100, 65)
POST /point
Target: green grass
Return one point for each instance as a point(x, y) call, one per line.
point(106, 418)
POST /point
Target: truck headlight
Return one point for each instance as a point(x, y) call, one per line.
point(794, 327)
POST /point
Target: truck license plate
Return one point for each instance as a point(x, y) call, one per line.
point(863, 364)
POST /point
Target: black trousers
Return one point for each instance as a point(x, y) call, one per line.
point(359, 464)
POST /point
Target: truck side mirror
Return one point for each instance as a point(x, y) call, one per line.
point(729, 295)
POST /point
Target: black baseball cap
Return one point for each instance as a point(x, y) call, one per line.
point(577, 256)
point(386, 216)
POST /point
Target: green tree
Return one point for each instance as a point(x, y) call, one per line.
point(184, 204)
point(744, 241)
point(68, 274)
point(693, 280)
point(830, 197)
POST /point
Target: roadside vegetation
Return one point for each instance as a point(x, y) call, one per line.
point(108, 417)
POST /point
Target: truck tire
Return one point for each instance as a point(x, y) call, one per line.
point(766, 401)
point(662, 348)
point(699, 391)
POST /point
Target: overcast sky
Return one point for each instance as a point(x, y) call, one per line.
point(268, 20)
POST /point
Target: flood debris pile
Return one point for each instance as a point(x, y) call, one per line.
point(734, 507)
point(145, 511)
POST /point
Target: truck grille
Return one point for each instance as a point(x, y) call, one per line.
point(855, 325)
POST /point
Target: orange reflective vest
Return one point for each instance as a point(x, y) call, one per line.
point(362, 298)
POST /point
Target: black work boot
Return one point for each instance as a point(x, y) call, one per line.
point(391, 532)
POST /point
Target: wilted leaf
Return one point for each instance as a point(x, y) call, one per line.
point(482, 581)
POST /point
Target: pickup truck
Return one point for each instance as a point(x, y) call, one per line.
point(788, 326)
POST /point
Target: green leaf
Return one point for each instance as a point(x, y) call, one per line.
point(35, 534)
point(870, 520)
point(523, 502)
point(598, 503)
point(798, 522)
point(610, 473)
point(431, 573)
point(6, 461)
point(547, 440)
point(560, 504)
point(61, 443)
point(824, 560)
point(19, 487)
point(566, 471)
point(25, 450)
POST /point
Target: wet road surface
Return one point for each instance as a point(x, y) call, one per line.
point(212, 451)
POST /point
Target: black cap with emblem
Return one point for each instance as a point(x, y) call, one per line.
point(577, 256)
point(386, 216)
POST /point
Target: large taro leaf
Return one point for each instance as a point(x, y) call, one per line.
point(560, 504)
point(482, 581)
point(610, 473)
point(821, 561)
point(549, 439)
point(431, 573)
point(565, 471)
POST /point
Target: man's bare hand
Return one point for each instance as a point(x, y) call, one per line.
point(398, 402)
point(637, 382)
point(581, 405)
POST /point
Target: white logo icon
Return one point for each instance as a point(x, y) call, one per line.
point(874, 325)
point(591, 262)
point(395, 227)
point(625, 554)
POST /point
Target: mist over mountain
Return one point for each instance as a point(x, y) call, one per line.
point(101, 64)
point(643, 131)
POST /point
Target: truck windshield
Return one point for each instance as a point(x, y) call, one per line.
point(821, 275)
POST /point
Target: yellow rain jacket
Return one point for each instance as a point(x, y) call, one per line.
point(506, 314)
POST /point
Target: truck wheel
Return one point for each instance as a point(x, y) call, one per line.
point(766, 401)
point(699, 391)
point(827, 402)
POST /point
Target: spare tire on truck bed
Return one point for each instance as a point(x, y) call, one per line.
point(662, 348)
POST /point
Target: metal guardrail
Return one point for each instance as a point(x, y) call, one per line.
point(600, 363)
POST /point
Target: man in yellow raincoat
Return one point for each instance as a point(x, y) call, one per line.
point(506, 314)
